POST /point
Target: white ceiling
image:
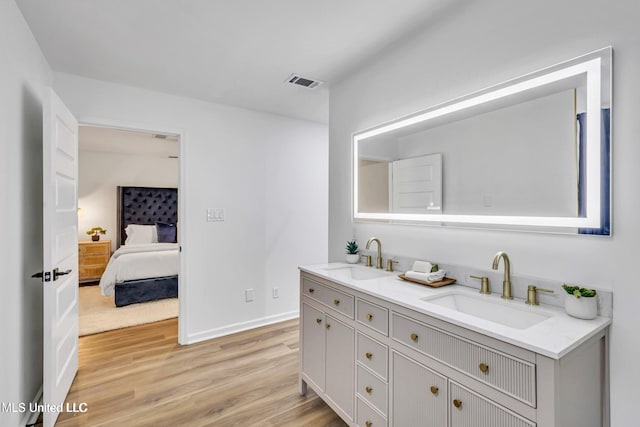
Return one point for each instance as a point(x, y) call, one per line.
point(235, 52)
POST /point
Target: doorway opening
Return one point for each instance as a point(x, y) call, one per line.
point(128, 273)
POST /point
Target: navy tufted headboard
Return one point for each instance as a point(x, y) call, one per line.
point(145, 205)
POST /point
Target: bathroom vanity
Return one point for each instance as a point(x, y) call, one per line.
point(384, 352)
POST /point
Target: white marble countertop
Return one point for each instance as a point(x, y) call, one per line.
point(553, 337)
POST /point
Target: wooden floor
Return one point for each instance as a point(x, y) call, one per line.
point(140, 376)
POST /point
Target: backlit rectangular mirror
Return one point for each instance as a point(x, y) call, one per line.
point(532, 153)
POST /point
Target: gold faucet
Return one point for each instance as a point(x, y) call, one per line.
point(506, 284)
point(379, 258)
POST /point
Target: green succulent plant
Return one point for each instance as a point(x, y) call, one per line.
point(352, 247)
point(578, 292)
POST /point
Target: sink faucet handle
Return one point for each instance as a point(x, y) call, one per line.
point(368, 260)
point(390, 263)
point(532, 296)
point(484, 284)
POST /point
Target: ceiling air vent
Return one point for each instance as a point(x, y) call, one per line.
point(303, 81)
point(167, 137)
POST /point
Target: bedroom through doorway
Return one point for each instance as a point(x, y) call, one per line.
point(128, 250)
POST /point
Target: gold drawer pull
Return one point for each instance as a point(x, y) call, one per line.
point(336, 301)
point(457, 403)
point(368, 389)
point(484, 367)
point(414, 337)
point(311, 290)
point(369, 316)
point(318, 321)
point(434, 389)
point(327, 326)
point(368, 355)
point(368, 423)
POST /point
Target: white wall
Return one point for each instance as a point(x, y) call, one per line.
point(473, 45)
point(24, 75)
point(268, 172)
point(100, 173)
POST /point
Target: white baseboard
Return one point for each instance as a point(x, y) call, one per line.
point(29, 418)
point(239, 327)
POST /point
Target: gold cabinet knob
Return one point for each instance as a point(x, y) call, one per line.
point(368, 423)
point(484, 367)
point(318, 321)
point(457, 403)
point(434, 389)
point(368, 355)
point(368, 389)
point(414, 337)
point(369, 316)
point(336, 301)
point(311, 290)
point(327, 326)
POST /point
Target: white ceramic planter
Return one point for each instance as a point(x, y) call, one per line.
point(582, 308)
point(352, 258)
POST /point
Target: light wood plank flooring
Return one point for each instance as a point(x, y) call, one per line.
point(140, 376)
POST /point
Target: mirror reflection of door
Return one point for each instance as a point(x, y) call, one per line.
point(417, 185)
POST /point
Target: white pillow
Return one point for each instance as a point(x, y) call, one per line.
point(141, 234)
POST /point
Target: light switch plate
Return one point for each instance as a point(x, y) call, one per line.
point(215, 214)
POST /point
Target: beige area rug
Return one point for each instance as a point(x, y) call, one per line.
point(99, 314)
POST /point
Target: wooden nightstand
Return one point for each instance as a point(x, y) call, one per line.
point(92, 259)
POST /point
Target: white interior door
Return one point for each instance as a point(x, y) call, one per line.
point(60, 252)
point(417, 184)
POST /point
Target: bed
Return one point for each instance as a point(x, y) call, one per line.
point(146, 263)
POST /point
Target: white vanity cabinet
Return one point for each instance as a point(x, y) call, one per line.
point(378, 363)
point(339, 364)
point(327, 363)
point(420, 395)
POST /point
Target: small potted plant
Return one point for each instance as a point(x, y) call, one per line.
point(580, 302)
point(95, 233)
point(352, 252)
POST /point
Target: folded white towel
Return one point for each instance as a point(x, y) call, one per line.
point(422, 266)
point(426, 277)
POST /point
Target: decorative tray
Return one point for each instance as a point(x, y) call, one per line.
point(444, 282)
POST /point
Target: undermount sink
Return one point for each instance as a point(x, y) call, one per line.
point(502, 312)
point(356, 273)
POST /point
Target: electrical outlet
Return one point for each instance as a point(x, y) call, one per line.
point(249, 295)
point(276, 293)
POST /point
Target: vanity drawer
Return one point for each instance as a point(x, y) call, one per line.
point(330, 297)
point(372, 389)
point(469, 405)
point(504, 372)
point(368, 417)
point(373, 316)
point(373, 355)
